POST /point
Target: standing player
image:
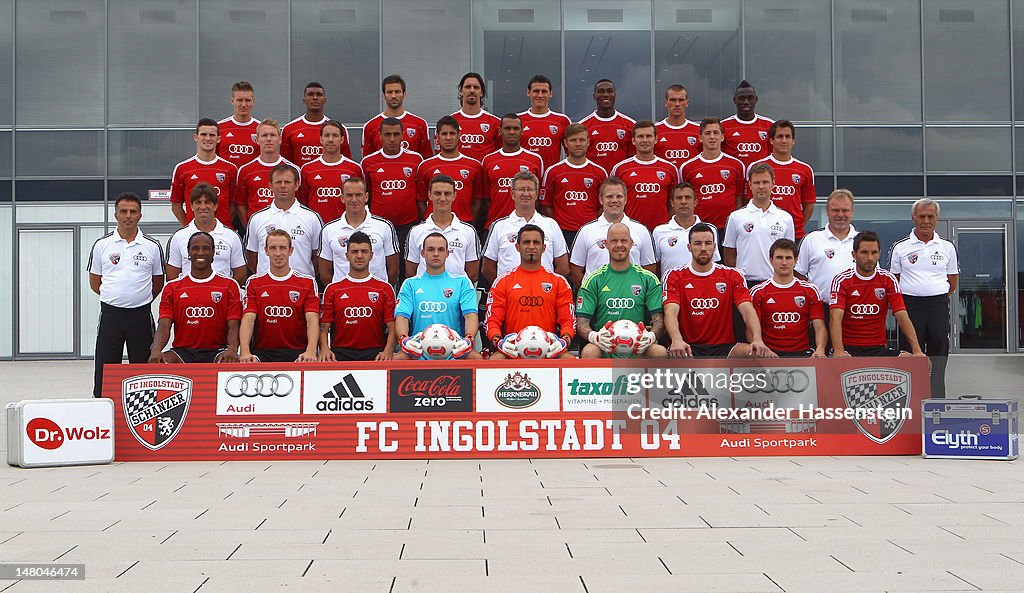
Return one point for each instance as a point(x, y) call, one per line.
point(671, 240)
point(785, 304)
point(746, 133)
point(861, 298)
point(204, 167)
point(285, 212)
point(500, 166)
point(500, 252)
point(415, 127)
point(332, 264)
point(717, 177)
point(320, 180)
point(281, 309)
point(619, 290)
point(228, 257)
point(238, 143)
point(678, 137)
point(571, 187)
point(649, 180)
point(253, 185)
point(479, 129)
point(300, 138)
point(126, 271)
point(466, 171)
point(530, 295)
point(753, 229)
point(391, 180)
point(794, 179)
point(358, 310)
point(699, 301)
point(204, 309)
point(543, 129)
point(463, 242)
point(608, 129)
point(828, 251)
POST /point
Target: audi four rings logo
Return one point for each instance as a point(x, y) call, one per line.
point(576, 196)
point(311, 151)
point(784, 190)
point(704, 303)
point(539, 142)
point(531, 301)
point(712, 188)
point(264, 192)
point(241, 149)
point(617, 303)
point(647, 188)
point(864, 309)
point(392, 184)
point(785, 381)
point(473, 138)
point(358, 312)
point(205, 312)
point(277, 311)
point(329, 192)
point(785, 317)
point(749, 147)
point(433, 307)
point(266, 385)
point(677, 154)
point(505, 182)
point(606, 146)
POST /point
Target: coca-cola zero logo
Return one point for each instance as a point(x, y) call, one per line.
point(425, 391)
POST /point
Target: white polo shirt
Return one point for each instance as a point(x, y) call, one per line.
point(588, 250)
point(303, 224)
point(751, 231)
point(127, 268)
point(671, 245)
point(501, 241)
point(923, 266)
point(383, 241)
point(227, 253)
point(463, 244)
point(823, 256)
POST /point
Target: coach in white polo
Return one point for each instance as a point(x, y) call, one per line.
point(285, 212)
point(228, 255)
point(751, 230)
point(927, 268)
point(500, 254)
point(588, 250)
point(126, 268)
point(826, 252)
point(672, 239)
point(463, 242)
point(333, 263)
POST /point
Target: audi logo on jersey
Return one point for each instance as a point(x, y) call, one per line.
point(277, 312)
point(647, 188)
point(433, 307)
point(536, 142)
point(783, 190)
point(606, 146)
point(620, 303)
point(392, 184)
point(311, 150)
point(748, 147)
point(201, 312)
point(527, 301)
point(505, 182)
point(864, 309)
point(576, 196)
point(712, 188)
point(785, 317)
point(358, 312)
point(241, 149)
point(328, 192)
point(473, 138)
point(701, 304)
point(264, 192)
point(677, 154)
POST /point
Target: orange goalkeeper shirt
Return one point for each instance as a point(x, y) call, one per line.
point(521, 298)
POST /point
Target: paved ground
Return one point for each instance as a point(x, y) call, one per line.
point(740, 525)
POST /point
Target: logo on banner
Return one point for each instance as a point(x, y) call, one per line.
point(155, 407)
point(517, 392)
point(47, 434)
point(425, 391)
point(345, 396)
point(874, 388)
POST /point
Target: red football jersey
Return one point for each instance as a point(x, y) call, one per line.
point(706, 302)
point(678, 144)
point(394, 190)
point(416, 138)
point(499, 168)
point(321, 186)
point(479, 135)
point(648, 187)
point(469, 182)
point(238, 143)
point(300, 141)
point(785, 311)
point(572, 193)
point(253, 184)
point(794, 187)
point(747, 141)
point(200, 310)
point(718, 183)
point(543, 134)
point(280, 306)
point(219, 173)
point(865, 303)
point(611, 139)
point(359, 310)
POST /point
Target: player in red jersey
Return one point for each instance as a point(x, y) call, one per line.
point(281, 308)
point(203, 308)
point(238, 143)
point(717, 177)
point(479, 133)
point(391, 180)
point(785, 304)
point(794, 179)
point(649, 180)
point(746, 133)
point(253, 185)
point(357, 310)
point(861, 297)
point(678, 137)
point(466, 171)
point(500, 166)
point(572, 187)
point(300, 138)
point(204, 167)
point(699, 301)
point(321, 180)
point(608, 130)
point(415, 127)
point(543, 129)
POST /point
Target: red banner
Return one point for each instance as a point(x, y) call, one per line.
point(463, 409)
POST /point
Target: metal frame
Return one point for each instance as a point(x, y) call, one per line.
point(957, 227)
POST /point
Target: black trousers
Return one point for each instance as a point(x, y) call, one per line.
point(930, 316)
point(119, 326)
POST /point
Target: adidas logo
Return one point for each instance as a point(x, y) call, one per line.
point(300, 135)
point(735, 134)
point(855, 293)
point(771, 300)
point(496, 167)
point(229, 135)
point(346, 396)
point(632, 174)
point(380, 170)
point(419, 291)
point(516, 285)
point(594, 133)
point(257, 178)
point(344, 295)
point(605, 289)
point(194, 176)
point(699, 176)
point(437, 171)
point(662, 139)
point(184, 295)
point(688, 285)
point(265, 294)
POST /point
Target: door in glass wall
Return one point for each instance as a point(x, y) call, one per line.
point(980, 306)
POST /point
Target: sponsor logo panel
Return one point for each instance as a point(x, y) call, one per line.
point(873, 388)
point(345, 392)
point(525, 390)
point(600, 390)
point(155, 407)
point(258, 392)
point(429, 390)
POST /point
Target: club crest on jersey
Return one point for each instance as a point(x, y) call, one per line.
point(554, 129)
point(293, 296)
point(345, 177)
point(523, 168)
point(724, 173)
point(343, 242)
point(448, 292)
point(511, 238)
point(546, 286)
point(155, 407)
point(621, 134)
point(748, 226)
point(636, 289)
point(720, 287)
point(672, 241)
point(221, 177)
point(411, 132)
point(114, 258)
point(600, 243)
point(913, 258)
point(692, 141)
point(254, 138)
point(407, 171)
point(464, 173)
point(661, 176)
point(216, 296)
point(799, 300)
point(762, 135)
point(830, 253)
point(373, 296)
point(796, 179)
point(879, 293)
point(588, 182)
point(485, 128)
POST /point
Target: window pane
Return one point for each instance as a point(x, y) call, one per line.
point(814, 147)
point(1018, 68)
point(878, 60)
point(152, 62)
point(59, 154)
point(789, 57)
point(879, 150)
point(5, 153)
point(953, 149)
point(697, 45)
point(60, 83)
point(244, 40)
point(6, 73)
point(337, 44)
point(148, 153)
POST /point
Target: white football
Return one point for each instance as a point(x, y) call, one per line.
point(438, 341)
point(625, 337)
point(532, 342)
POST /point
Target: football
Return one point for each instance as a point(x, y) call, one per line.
point(532, 342)
point(625, 337)
point(438, 341)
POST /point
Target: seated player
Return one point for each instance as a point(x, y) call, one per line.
point(204, 308)
point(281, 313)
point(785, 304)
point(619, 290)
